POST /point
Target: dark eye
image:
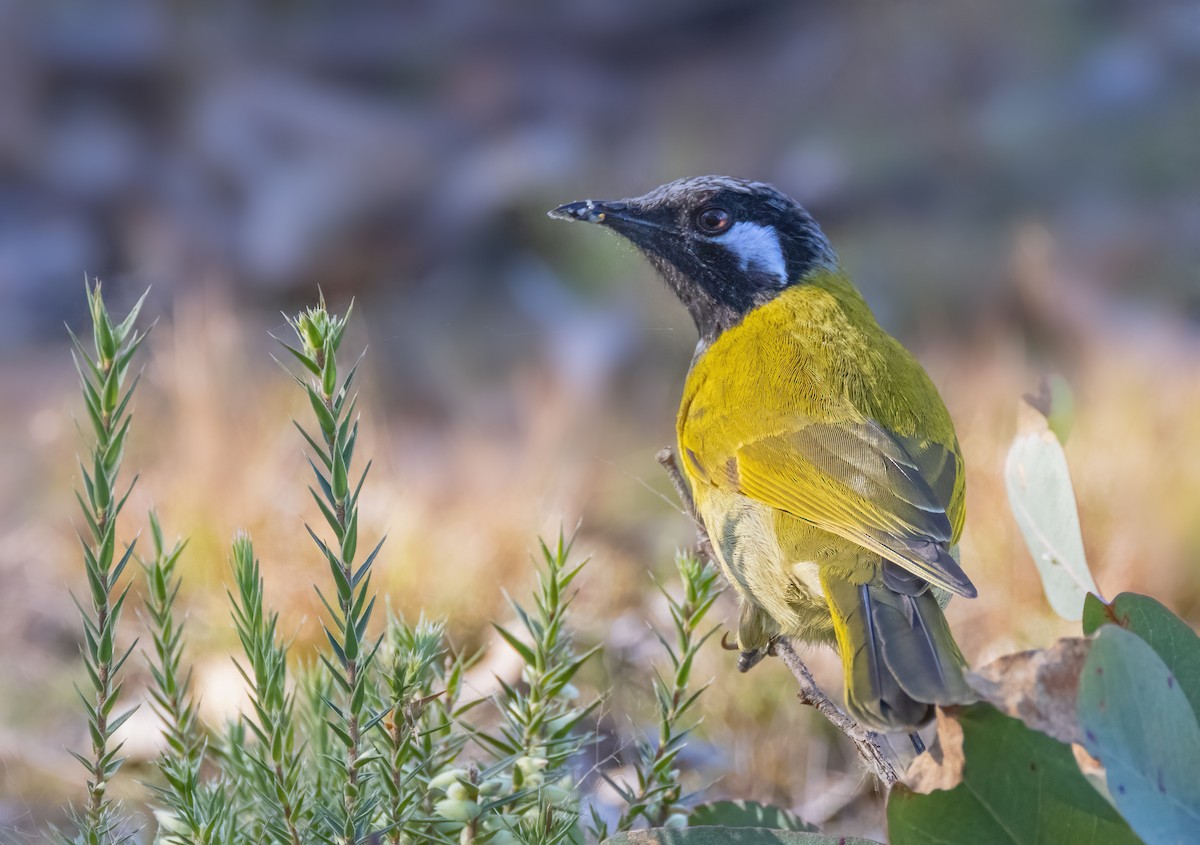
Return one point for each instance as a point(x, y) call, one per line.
point(713, 220)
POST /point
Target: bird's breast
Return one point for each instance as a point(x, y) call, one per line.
point(762, 561)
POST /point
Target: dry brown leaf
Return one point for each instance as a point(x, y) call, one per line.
point(941, 765)
point(1038, 687)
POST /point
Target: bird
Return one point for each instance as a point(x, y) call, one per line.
point(820, 456)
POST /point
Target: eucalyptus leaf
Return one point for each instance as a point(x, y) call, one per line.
point(1172, 639)
point(1055, 401)
point(1018, 787)
point(730, 836)
point(1043, 502)
point(1137, 722)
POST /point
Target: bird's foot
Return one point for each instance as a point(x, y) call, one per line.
point(750, 658)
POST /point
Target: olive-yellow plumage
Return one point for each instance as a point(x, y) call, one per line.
point(821, 458)
point(757, 403)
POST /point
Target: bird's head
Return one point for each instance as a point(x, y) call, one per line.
point(725, 246)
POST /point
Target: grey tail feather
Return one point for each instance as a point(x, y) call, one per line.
point(902, 658)
point(871, 647)
point(919, 649)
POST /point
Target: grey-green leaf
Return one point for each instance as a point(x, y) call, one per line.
point(1137, 722)
point(1171, 638)
point(1043, 502)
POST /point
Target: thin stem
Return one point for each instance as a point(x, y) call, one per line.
point(666, 457)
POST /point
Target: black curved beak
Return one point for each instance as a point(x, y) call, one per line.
point(590, 211)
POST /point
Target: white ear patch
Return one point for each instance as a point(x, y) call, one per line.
point(756, 246)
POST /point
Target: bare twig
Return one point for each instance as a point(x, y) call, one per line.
point(666, 457)
point(870, 745)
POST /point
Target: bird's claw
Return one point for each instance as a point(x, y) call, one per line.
point(749, 659)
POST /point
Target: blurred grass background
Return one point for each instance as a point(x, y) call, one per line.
point(1016, 188)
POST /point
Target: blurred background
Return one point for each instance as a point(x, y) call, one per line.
point(1015, 187)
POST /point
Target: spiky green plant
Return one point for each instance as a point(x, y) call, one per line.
point(194, 809)
point(353, 649)
point(541, 719)
point(658, 793)
point(276, 778)
point(422, 684)
point(103, 372)
point(373, 740)
point(170, 695)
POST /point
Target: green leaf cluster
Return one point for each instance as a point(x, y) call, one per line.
point(374, 738)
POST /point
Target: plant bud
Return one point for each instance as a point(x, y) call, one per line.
point(310, 331)
point(447, 778)
point(531, 765)
point(457, 811)
point(491, 786)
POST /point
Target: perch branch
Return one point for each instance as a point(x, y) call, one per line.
point(869, 744)
point(666, 457)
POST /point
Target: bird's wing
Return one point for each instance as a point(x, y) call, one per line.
point(888, 493)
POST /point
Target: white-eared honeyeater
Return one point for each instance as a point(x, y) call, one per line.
point(820, 456)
